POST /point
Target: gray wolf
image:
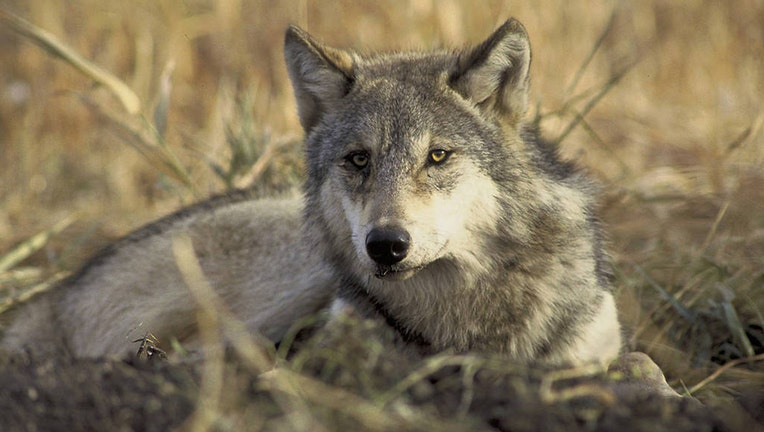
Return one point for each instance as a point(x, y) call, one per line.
point(430, 204)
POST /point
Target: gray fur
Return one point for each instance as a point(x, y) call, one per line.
point(250, 250)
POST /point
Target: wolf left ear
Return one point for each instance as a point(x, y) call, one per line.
point(495, 74)
point(320, 74)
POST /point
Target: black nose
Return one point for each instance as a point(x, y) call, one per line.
point(388, 245)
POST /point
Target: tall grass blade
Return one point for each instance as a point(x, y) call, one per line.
point(32, 245)
point(143, 140)
point(163, 104)
point(612, 82)
point(30, 292)
point(52, 45)
point(733, 322)
point(595, 48)
point(686, 313)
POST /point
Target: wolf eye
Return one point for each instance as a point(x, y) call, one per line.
point(438, 156)
point(358, 159)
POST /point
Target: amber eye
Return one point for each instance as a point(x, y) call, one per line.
point(438, 156)
point(358, 159)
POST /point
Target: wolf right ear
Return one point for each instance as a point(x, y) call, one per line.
point(495, 74)
point(320, 74)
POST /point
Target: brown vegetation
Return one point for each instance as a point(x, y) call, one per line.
point(660, 100)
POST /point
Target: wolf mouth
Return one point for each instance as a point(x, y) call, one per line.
point(394, 273)
point(399, 272)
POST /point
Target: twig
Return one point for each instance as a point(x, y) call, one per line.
point(722, 369)
point(714, 227)
point(549, 395)
point(303, 388)
point(429, 367)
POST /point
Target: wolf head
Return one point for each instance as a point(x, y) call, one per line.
point(406, 152)
point(440, 209)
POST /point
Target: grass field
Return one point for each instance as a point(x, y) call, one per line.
point(662, 101)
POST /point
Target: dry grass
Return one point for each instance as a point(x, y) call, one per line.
point(677, 141)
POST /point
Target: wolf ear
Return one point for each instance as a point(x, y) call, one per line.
point(320, 74)
point(495, 74)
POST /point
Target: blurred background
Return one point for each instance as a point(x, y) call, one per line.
point(660, 100)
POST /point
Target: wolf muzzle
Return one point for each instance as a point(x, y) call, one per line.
point(388, 245)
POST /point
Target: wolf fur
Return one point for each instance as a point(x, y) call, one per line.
point(250, 251)
point(429, 204)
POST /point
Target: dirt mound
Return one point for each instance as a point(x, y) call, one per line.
point(350, 377)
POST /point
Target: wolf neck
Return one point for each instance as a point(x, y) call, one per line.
point(517, 308)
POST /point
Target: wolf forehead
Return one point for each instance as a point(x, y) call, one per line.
point(403, 86)
point(381, 124)
point(402, 102)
